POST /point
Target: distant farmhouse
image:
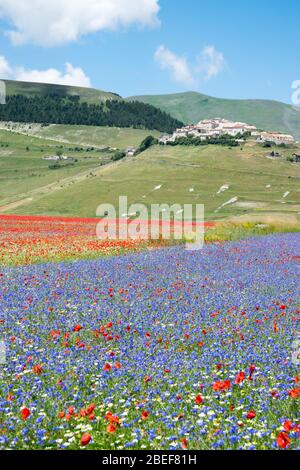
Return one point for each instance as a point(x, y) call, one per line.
point(276, 138)
point(214, 128)
point(130, 151)
point(57, 158)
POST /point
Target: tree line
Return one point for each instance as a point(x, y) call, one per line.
point(54, 109)
point(226, 140)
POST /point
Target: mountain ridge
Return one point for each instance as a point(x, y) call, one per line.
point(187, 107)
point(191, 107)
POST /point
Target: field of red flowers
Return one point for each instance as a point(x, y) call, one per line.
point(30, 239)
point(27, 240)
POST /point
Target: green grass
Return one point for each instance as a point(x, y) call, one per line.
point(87, 95)
point(230, 231)
point(22, 168)
point(91, 135)
point(206, 169)
point(192, 107)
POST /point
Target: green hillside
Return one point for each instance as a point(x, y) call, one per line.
point(87, 95)
point(191, 107)
point(56, 104)
point(24, 172)
point(210, 175)
point(116, 137)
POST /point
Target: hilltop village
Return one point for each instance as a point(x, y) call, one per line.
point(218, 127)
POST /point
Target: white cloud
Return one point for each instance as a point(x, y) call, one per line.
point(177, 66)
point(211, 62)
point(56, 22)
point(70, 76)
point(5, 69)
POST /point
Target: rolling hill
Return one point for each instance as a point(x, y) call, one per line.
point(57, 104)
point(230, 182)
point(86, 95)
point(191, 107)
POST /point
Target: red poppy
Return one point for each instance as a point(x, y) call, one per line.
point(111, 418)
point(77, 328)
point(221, 385)
point(90, 409)
point(240, 378)
point(145, 415)
point(38, 369)
point(251, 414)
point(184, 443)
point(111, 428)
point(25, 413)
point(288, 426)
point(283, 440)
point(85, 439)
point(107, 367)
point(199, 400)
point(294, 393)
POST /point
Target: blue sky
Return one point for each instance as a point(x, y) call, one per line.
point(230, 49)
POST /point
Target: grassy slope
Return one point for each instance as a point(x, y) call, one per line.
point(23, 170)
point(91, 135)
point(88, 95)
point(178, 169)
point(192, 107)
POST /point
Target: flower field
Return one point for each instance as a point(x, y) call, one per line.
point(33, 239)
point(25, 240)
point(161, 349)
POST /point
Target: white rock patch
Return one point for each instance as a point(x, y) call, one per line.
point(231, 201)
point(223, 188)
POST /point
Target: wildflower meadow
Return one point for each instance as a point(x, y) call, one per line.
point(157, 349)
